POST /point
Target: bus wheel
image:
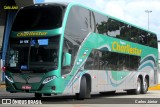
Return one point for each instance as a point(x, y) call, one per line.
point(84, 92)
point(38, 95)
point(145, 86)
point(138, 88)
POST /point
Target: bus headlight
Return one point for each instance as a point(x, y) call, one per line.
point(9, 79)
point(48, 79)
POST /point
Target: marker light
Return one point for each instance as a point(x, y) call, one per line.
point(3, 69)
point(48, 79)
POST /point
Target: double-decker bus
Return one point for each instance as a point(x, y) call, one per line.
point(71, 49)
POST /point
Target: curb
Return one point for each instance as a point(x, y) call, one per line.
point(2, 85)
point(157, 87)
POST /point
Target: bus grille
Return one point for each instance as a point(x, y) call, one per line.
point(28, 78)
point(18, 78)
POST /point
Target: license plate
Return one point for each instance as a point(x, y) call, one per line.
point(26, 87)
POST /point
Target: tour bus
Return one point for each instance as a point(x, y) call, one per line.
point(71, 49)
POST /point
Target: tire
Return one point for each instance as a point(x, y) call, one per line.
point(138, 88)
point(84, 92)
point(38, 95)
point(144, 86)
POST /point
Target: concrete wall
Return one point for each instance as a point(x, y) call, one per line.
point(1, 39)
point(1, 34)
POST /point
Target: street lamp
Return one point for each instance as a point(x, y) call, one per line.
point(148, 11)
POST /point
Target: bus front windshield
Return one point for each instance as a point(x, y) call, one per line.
point(34, 54)
point(38, 18)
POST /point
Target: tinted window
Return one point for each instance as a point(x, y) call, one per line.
point(93, 62)
point(79, 24)
point(101, 23)
point(111, 27)
point(124, 32)
point(31, 54)
point(33, 18)
point(107, 26)
point(106, 60)
point(152, 40)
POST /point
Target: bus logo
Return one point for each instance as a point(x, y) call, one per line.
point(126, 48)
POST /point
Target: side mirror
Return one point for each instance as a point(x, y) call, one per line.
point(67, 59)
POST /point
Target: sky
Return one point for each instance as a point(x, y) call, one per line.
point(132, 11)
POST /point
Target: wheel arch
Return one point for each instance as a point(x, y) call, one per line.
point(141, 77)
point(147, 77)
point(89, 81)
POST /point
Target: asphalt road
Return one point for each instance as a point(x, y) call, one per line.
point(121, 97)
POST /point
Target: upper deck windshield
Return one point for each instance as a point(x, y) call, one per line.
point(40, 17)
point(33, 54)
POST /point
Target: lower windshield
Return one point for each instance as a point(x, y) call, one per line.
point(33, 54)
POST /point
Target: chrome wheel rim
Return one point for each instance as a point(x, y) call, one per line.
point(138, 86)
point(145, 84)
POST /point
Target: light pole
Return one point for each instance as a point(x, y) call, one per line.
point(148, 11)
